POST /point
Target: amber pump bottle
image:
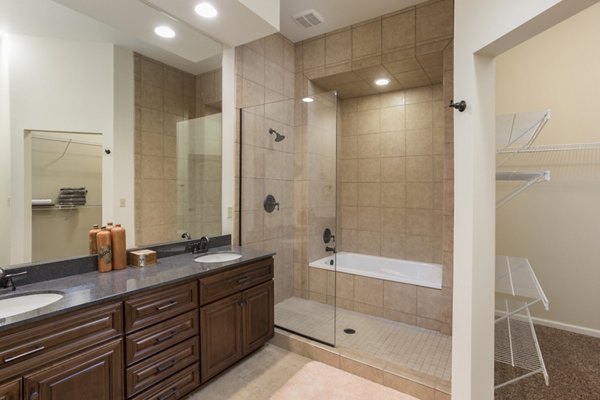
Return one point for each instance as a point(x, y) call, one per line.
point(92, 239)
point(118, 247)
point(103, 240)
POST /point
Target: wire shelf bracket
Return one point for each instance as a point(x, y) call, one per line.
point(518, 131)
point(526, 179)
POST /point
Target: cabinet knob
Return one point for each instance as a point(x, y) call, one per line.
point(34, 396)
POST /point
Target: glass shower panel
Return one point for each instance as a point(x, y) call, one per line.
point(288, 198)
point(199, 164)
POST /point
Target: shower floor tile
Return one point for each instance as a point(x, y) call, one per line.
point(417, 348)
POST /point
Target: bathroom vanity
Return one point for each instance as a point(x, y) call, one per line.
point(136, 334)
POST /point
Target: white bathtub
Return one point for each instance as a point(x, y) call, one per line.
point(389, 269)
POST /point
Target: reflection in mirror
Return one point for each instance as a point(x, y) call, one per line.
point(79, 68)
point(199, 159)
point(66, 182)
point(178, 151)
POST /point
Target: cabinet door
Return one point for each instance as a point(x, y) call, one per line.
point(258, 316)
point(220, 335)
point(11, 390)
point(93, 375)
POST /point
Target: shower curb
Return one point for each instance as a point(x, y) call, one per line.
point(414, 383)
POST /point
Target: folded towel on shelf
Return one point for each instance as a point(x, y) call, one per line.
point(72, 196)
point(42, 202)
point(82, 191)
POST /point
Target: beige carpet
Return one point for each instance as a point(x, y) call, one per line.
point(317, 381)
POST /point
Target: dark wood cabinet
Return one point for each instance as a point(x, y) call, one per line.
point(91, 375)
point(155, 345)
point(221, 338)
point(11, 390)
point(258, 318)
point(235, 326)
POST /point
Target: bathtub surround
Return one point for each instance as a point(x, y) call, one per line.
point(414, 48)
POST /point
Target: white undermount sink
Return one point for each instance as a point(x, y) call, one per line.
point(21, 303)
point(218, 257)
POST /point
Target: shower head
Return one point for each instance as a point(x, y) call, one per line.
point(278, 136)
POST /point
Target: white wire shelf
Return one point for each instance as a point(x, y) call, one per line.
point(63, 207)
point(516, 344)
point(516, 282)
point(518, 131)
point(525, 180)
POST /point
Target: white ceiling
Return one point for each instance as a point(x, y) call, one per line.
point(336, 13)
point(197, 47)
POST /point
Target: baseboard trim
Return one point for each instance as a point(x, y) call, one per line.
point(567, 327)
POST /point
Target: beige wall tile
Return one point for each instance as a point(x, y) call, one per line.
point(369, 219)
point(393, 195)
point(393, 119)
point(313, 53)
point(435, 20)
point(345, 285)
point(274, 49)
point(391, 99)
point(393, 244)
point(368, 309)
point(368, 146)
point(253, 68)
point(368, 290)
point(408, 386)
point(400, 316)
point(400, 297)
point(361, 369)
point(366, 39)
point(419, 248)
point(368, 243)
point(338, 47)
point(369, 170)
point(419, 195)
point(419, 222)
point(398, 30)
point(367, 122)
point(419, 116)
point(419, 142)
point(369, 194)
point(393, 144)
point(393, 169)
point(419, 169)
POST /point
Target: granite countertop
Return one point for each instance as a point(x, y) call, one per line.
point(93, 287)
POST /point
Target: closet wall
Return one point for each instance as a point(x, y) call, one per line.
point(557, 224)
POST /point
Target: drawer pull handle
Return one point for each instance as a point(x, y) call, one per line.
point(166, 366)
point(243, 279)
point(167, 336)
point(171, 304)
point(27, 353)
point(165, 396)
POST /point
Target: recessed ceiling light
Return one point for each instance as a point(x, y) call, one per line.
point(308, 99)
point(164, 31)
point(382, 81)
point(206, 10)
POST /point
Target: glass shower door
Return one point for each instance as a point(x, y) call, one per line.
point(288, 199)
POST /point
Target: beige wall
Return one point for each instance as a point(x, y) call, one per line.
point(163, 96)
point(557, 224)
point(265, 91)
point(392, 174)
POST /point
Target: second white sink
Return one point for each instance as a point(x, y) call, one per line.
point(22, 303)
point(218, 257)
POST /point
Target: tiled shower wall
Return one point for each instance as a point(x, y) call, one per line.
point(391, 175)
point(265, 92)
point(164, 96)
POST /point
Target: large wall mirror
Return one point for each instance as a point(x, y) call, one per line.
point(101, 120)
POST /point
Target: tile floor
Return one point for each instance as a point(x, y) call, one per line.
point(255, 378)
point(416, 348)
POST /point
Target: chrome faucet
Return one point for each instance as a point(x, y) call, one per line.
point(6, 280)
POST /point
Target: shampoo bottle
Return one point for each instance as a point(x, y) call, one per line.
point(103, 241)
point(118, 247)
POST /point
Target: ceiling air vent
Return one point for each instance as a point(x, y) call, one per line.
point(308, 18)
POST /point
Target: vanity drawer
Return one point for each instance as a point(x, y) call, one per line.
point(223, 284)
point(11, 390)
point(174, 387)
point(156, 368)
point(150, 341)
point(49, 339)
point(151, 308)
